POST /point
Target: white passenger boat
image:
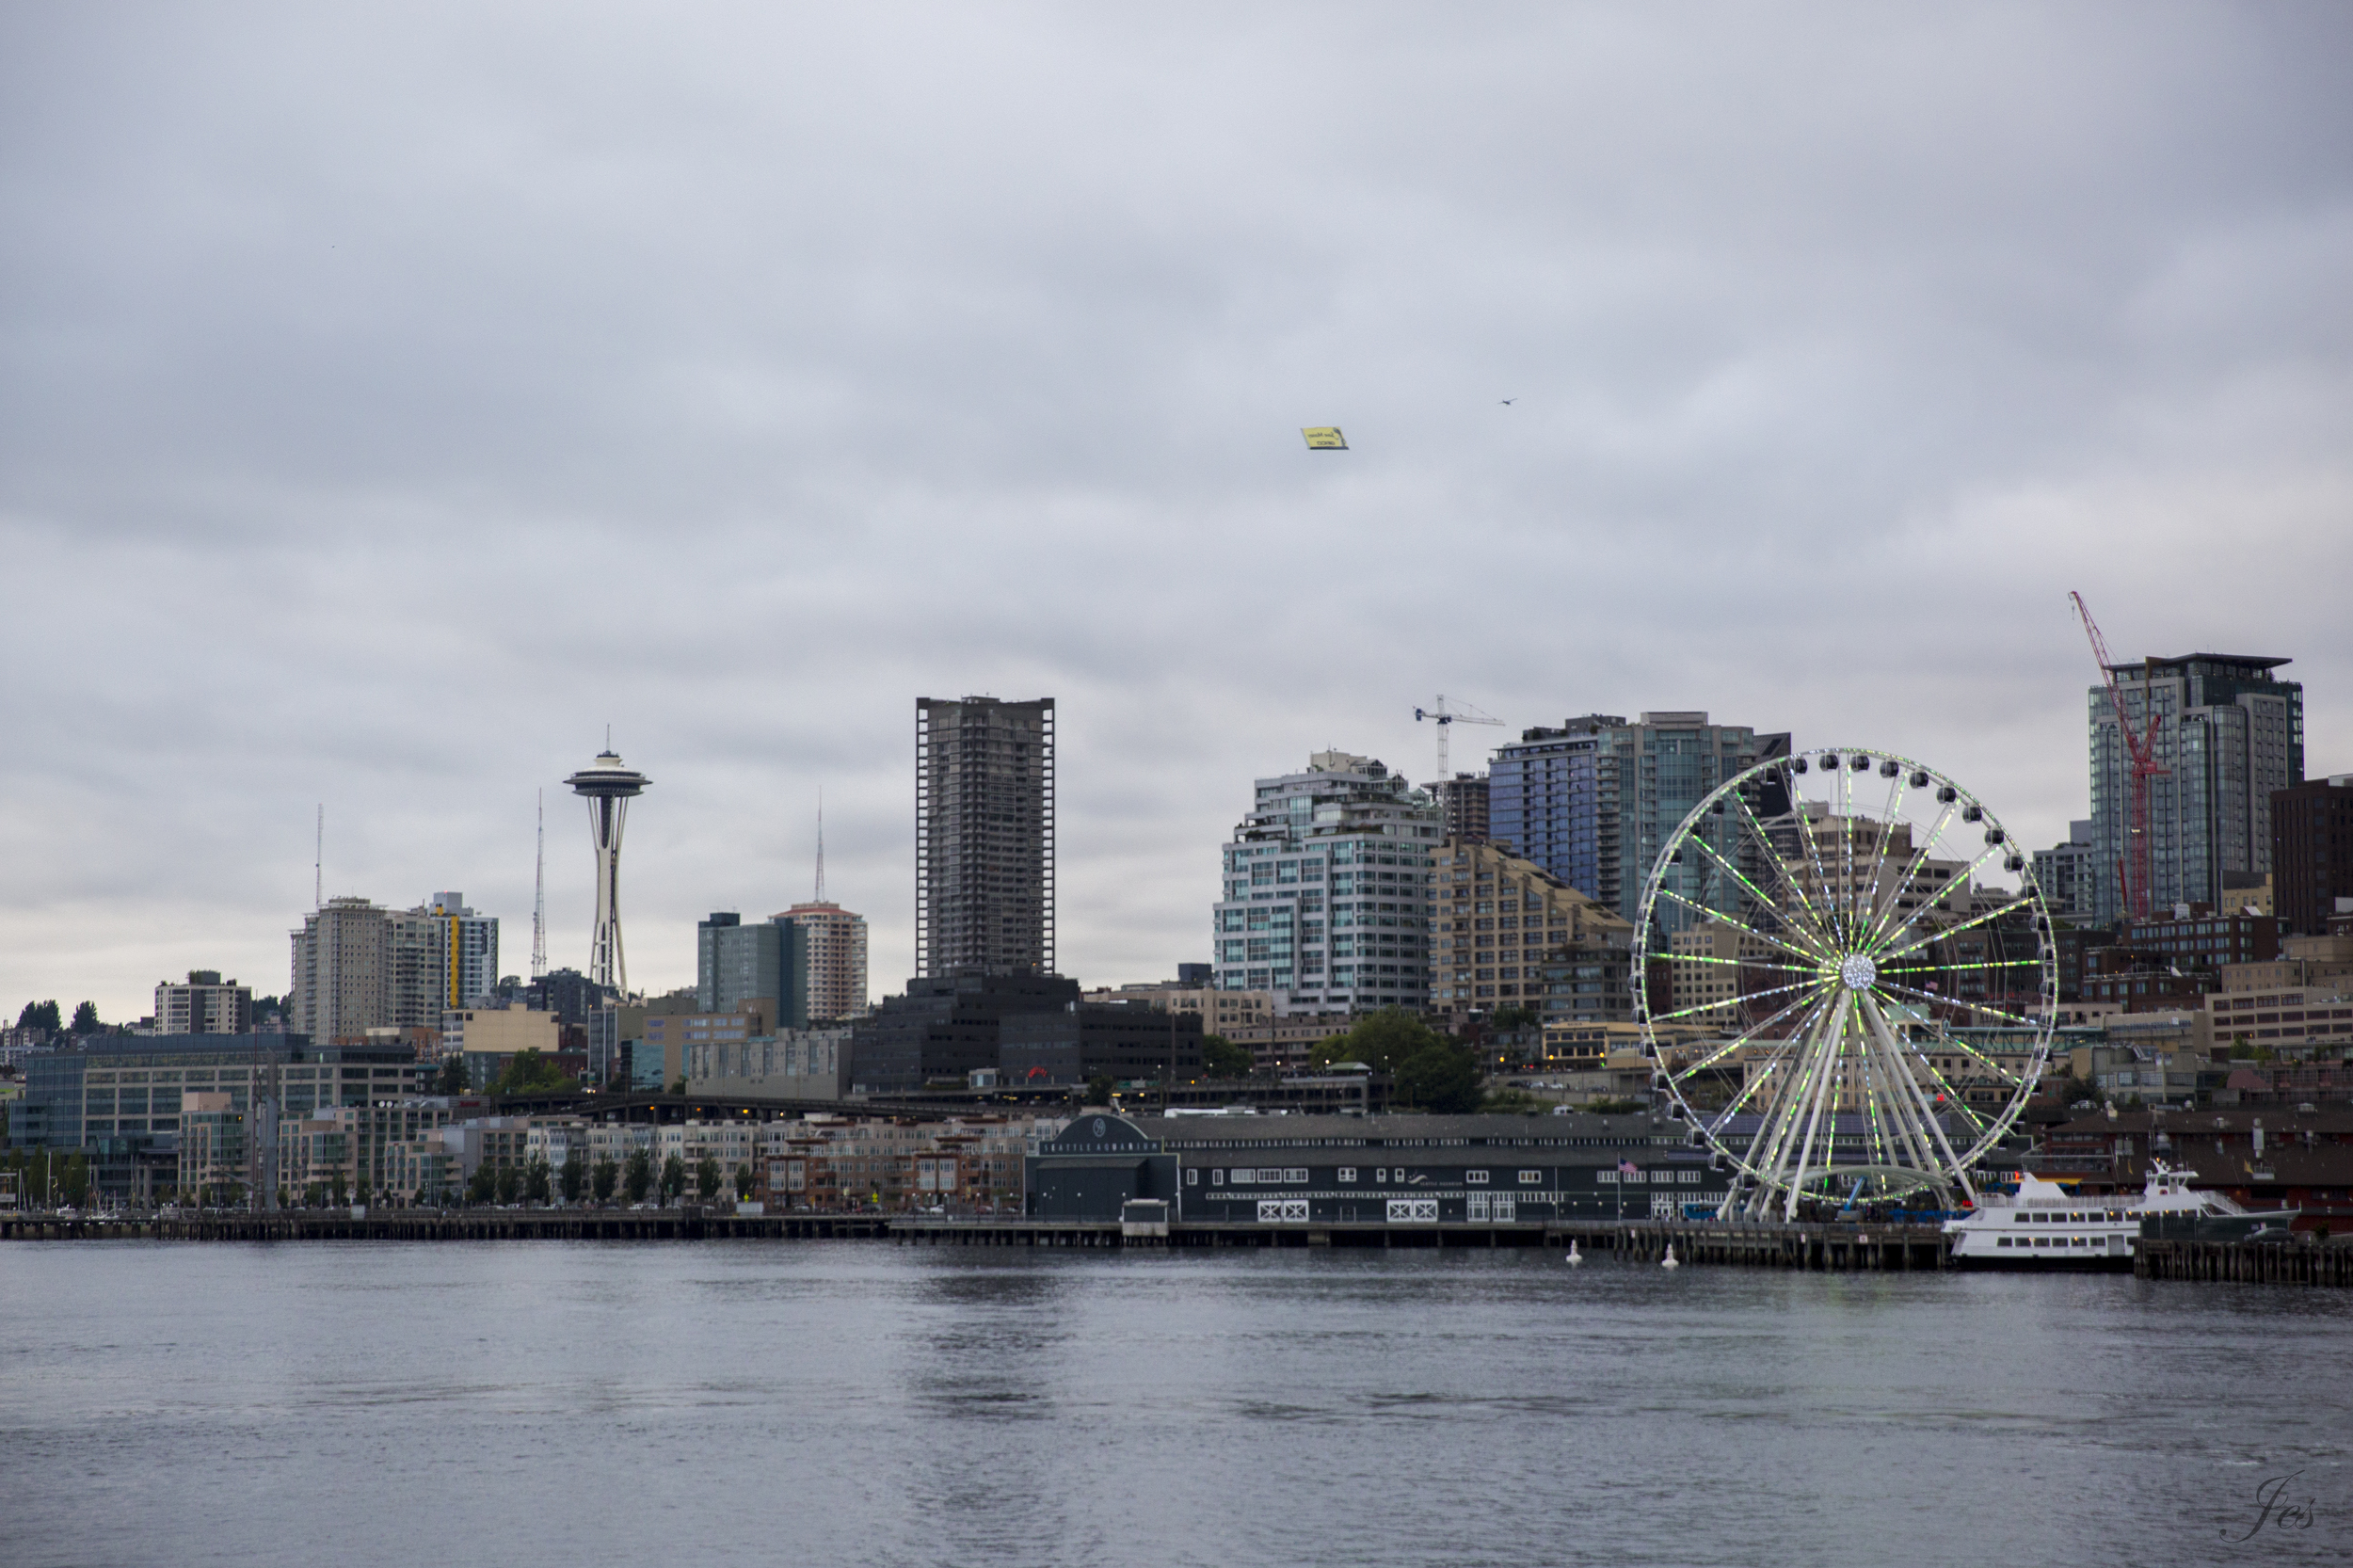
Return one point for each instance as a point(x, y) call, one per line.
point(2044, 1226)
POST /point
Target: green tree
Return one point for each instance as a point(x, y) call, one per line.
point(1098, 1090)
point(707, 1179)
point(1440, 1078)
point(1502, 1101)
point(482, 1185)
point(673, 1178)
point(608, 1177)
point(74, 1181)
point(335, 1191)
point(638, 1179)
point(1381, 1041)
point(531, 1072)
point(367, 1188)
point(1222, 1058)
point(510, 1182)
point(575, 1174)
point(743, 1183)
point(450, 1079)
point(538, 1185)
point(85, 1019)
point(41, 1015)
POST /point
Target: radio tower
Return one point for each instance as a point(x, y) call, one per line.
point(539, 898)
point(608, 786)
point(821, 845)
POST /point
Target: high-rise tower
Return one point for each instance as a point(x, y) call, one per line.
point(608, 786)
point(2229, 732)
point(983, 837)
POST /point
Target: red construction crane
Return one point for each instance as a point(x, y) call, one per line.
point(2140, 748)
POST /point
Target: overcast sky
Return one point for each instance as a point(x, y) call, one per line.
point(390, 398)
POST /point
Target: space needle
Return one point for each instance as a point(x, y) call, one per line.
point(608, 786)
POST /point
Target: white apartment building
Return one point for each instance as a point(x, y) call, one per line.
point(205, 1005)
point(1325, 884)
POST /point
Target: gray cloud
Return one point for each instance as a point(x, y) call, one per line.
point(390, 400)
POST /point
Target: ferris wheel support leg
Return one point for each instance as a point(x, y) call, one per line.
point(1918, 1103)
point(1824, 1058)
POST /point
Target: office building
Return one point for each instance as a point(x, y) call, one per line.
point(1496, 919)
point(837, 958)
point(206, 1005)
point(1085, 1041)
point(1592, 801)
point(1465, 800)
point(947, 1026)
point(117, 1097)
point(2066, 874)
point(2311, 854)
point(1325, 883)
point(738, 965)
point(983, 837)
point(2228, 734)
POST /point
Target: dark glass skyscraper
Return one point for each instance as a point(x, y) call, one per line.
point(983, 837)
point(1592, 801)
point(2229, 732)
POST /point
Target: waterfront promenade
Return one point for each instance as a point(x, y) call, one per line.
point(1836, 1248)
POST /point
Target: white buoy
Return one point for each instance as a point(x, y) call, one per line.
point(1670, 1261)
point(1575, 1257)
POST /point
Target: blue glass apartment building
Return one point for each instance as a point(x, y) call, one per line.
point(1592, 801)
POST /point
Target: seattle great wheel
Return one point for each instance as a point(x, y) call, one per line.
point(1845, 978)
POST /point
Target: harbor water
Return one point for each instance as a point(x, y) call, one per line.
point(857, 1403)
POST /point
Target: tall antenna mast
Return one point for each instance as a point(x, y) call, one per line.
point(821, 844)
point(318, 863)
point(539, 899)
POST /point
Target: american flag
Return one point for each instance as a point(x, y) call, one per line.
point(1625, 1167)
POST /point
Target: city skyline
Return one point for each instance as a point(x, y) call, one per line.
point(493, 405)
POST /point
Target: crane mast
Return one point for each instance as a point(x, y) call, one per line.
point(1446, 719)
point(2140, 748)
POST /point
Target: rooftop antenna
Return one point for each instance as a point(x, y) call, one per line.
point(821, 845)
point(318, 863)
point(539, 898)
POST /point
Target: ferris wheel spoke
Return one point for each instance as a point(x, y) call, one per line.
point(1733, 871)
point(1967, 877)
point(1934, 999)
point(1737, 925)
point(1718, 1006)
point(1742, 963)
point(1883, 954)
point(1727, 1048)
point(1949, 1002)
point(1892, 903)
point(1804, 915)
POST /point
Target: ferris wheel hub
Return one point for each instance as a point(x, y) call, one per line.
point(1858, 973)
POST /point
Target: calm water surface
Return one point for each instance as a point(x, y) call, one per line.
point(846, 1402)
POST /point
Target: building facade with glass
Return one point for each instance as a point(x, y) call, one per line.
point(2228, 733)
point(1326, 884)
point(1592, 801)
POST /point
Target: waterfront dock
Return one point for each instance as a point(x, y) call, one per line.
point(1837, 1248)
point(457, 1225)
point(2246, 1262)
